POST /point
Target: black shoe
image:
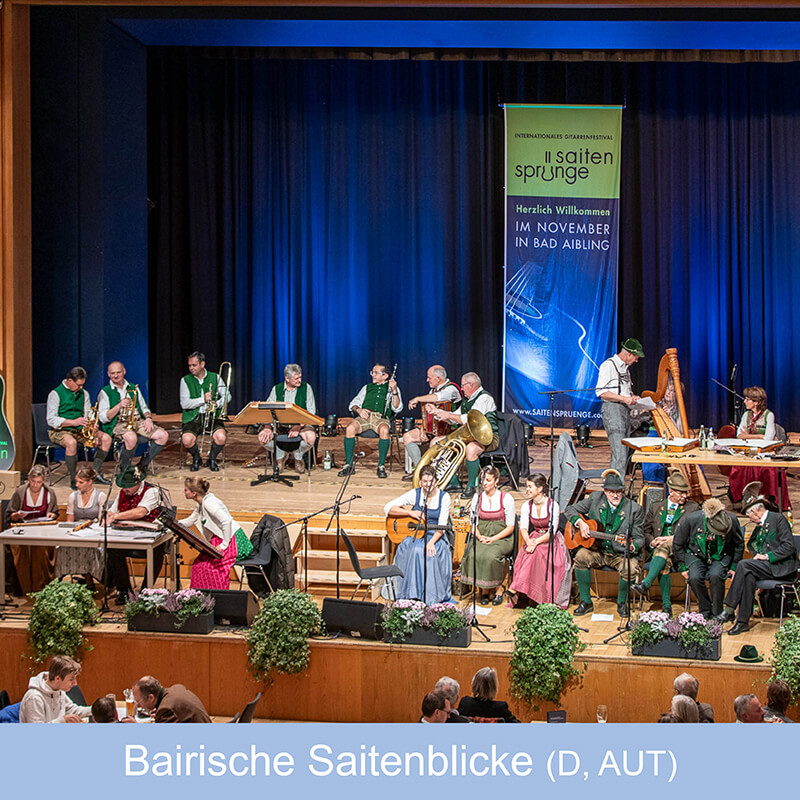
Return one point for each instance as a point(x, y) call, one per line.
point(72, 484)
point(622, 610)
point(120, 599)
point(484, 599)
point(381, 471)
point(497, 599)
point(212, 465)
point(347, 469)
point(197, 462)
point(739, 627)
point(143, 466)
point(468, 494)
point(667, 610)
point(583, 608)
point(408, 477)
point(725, 616)
point(101, 480)
point(640, 589)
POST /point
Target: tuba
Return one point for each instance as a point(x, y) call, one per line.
point(446, 456)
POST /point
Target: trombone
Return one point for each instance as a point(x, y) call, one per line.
point(215, 408)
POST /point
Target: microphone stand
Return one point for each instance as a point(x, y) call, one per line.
point(104, 514)
point(737, 399)
point(473, 531)
point(626, 626)
point(423, 521)
point(337, 504)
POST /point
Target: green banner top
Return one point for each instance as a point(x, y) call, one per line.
point(563, 151)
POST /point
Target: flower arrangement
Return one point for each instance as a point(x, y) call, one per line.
point(691, 629)
point(182, 605)
point(404, 616)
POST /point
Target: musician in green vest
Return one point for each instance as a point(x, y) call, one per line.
point(475, 397)
point(69, 419)
point(124, 413)
point(372, 407)
point(293, 390)
point(659, 525)
point(197, 389)
point(617, 515)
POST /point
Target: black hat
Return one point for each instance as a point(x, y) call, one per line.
point(748, 655)
point(612, 481)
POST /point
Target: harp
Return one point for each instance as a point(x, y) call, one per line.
point(669, 417)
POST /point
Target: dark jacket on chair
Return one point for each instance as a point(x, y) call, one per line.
point(281, 569)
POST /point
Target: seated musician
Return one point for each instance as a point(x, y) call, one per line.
point(774, 557)
point(617, 515)
point(114, 410)
point(68, 408)
point(432, 583)
point(442, 391)
point(659, 526)
point(137, 501)
point(494, 540)
point(371, 409)
point(758, 422)
point(707, 547)
point(212, 518)
point(292, 390)
point(475, 397)
point(198, 388)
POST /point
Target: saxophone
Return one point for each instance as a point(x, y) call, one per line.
point(89, 430)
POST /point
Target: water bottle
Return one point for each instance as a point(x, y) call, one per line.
point(702, 437)
point(710, 439)
point(326, 462)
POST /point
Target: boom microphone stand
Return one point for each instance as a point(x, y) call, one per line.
point(104, 515)
point(337, 505)
point(737, 398)
point(626, 626)
point(473, 532)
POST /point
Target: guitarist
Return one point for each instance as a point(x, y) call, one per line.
point(659, 525)
point(413, 552)
point(618, 515)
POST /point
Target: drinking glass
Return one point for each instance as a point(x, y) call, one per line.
point(602, 713)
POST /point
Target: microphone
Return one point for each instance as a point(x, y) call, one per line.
point(733, 372)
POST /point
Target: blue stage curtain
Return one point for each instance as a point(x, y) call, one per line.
point(338, 213)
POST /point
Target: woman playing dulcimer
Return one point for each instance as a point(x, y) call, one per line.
point(427, 567)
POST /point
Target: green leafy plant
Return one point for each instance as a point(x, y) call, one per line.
point(182, 605)
point(401, 618)
point(60, 611)
point(545, 643)
point(278, 638)
point(786, 655)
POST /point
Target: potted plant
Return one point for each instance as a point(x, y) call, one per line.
point(440, 624)
point(162, 611)
point(786, 655)
point(691, 635)
point(60, 611)
point(278, 638)
point(545, 643)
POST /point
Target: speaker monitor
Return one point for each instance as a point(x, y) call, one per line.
point(353, 617)
point(233, 607)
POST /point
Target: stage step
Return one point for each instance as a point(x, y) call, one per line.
point(326, 559)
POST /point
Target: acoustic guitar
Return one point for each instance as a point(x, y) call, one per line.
point(573, 538)
point(398, 528)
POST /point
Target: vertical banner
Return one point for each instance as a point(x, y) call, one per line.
point(562, 235)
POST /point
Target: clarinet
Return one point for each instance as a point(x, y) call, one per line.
point(389, 392)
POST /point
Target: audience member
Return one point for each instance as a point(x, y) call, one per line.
point(666, 718)
point(779, 696)
point(46, 699)
point(435, 707)
point(451, 688)
point(684, 709)
point(482, 704)
point(104, 709)
point(688, 685)
point(748, 708)
point(168, 704)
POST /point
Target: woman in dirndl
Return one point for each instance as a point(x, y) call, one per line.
point(213, 520)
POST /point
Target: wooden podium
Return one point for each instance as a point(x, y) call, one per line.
point(286, 414)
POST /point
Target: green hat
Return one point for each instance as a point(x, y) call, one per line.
point(612, 481)
point(754, 500)
point(748, 655)
point(677, 482)
point(717, 519)
point(633, 346)
point(129, 478)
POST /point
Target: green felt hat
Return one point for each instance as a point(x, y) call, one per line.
point(633, 346)
point(748, 655)
point(129, 478)
point(612, 481)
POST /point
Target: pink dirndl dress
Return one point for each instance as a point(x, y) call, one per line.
point(209, 573)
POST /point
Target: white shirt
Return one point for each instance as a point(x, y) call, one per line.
point(212, 517)
point(290, 394)
point(54, 401)
point(104, 404)
point(769, 419)
point(397, 402)
point(614, 377)
point(485, 403)
point(525, 513)
point(188, 402)
point(410, 497)
point(493, 504)
point(149, 501)
point(447, 392)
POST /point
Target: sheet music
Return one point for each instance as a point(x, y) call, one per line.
point(644, 404)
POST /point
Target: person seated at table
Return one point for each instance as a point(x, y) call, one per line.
point(168, 703)
point(137, 501)
point(104, 710)
point(538, 517)
point(85, 503)
point(46, 699)
point(482, 704)
point(494, 543)
point(293, 390)
point(758, 422)
point(33, 500)
point(413, 553)
point(212, 518)
point(435, 708)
